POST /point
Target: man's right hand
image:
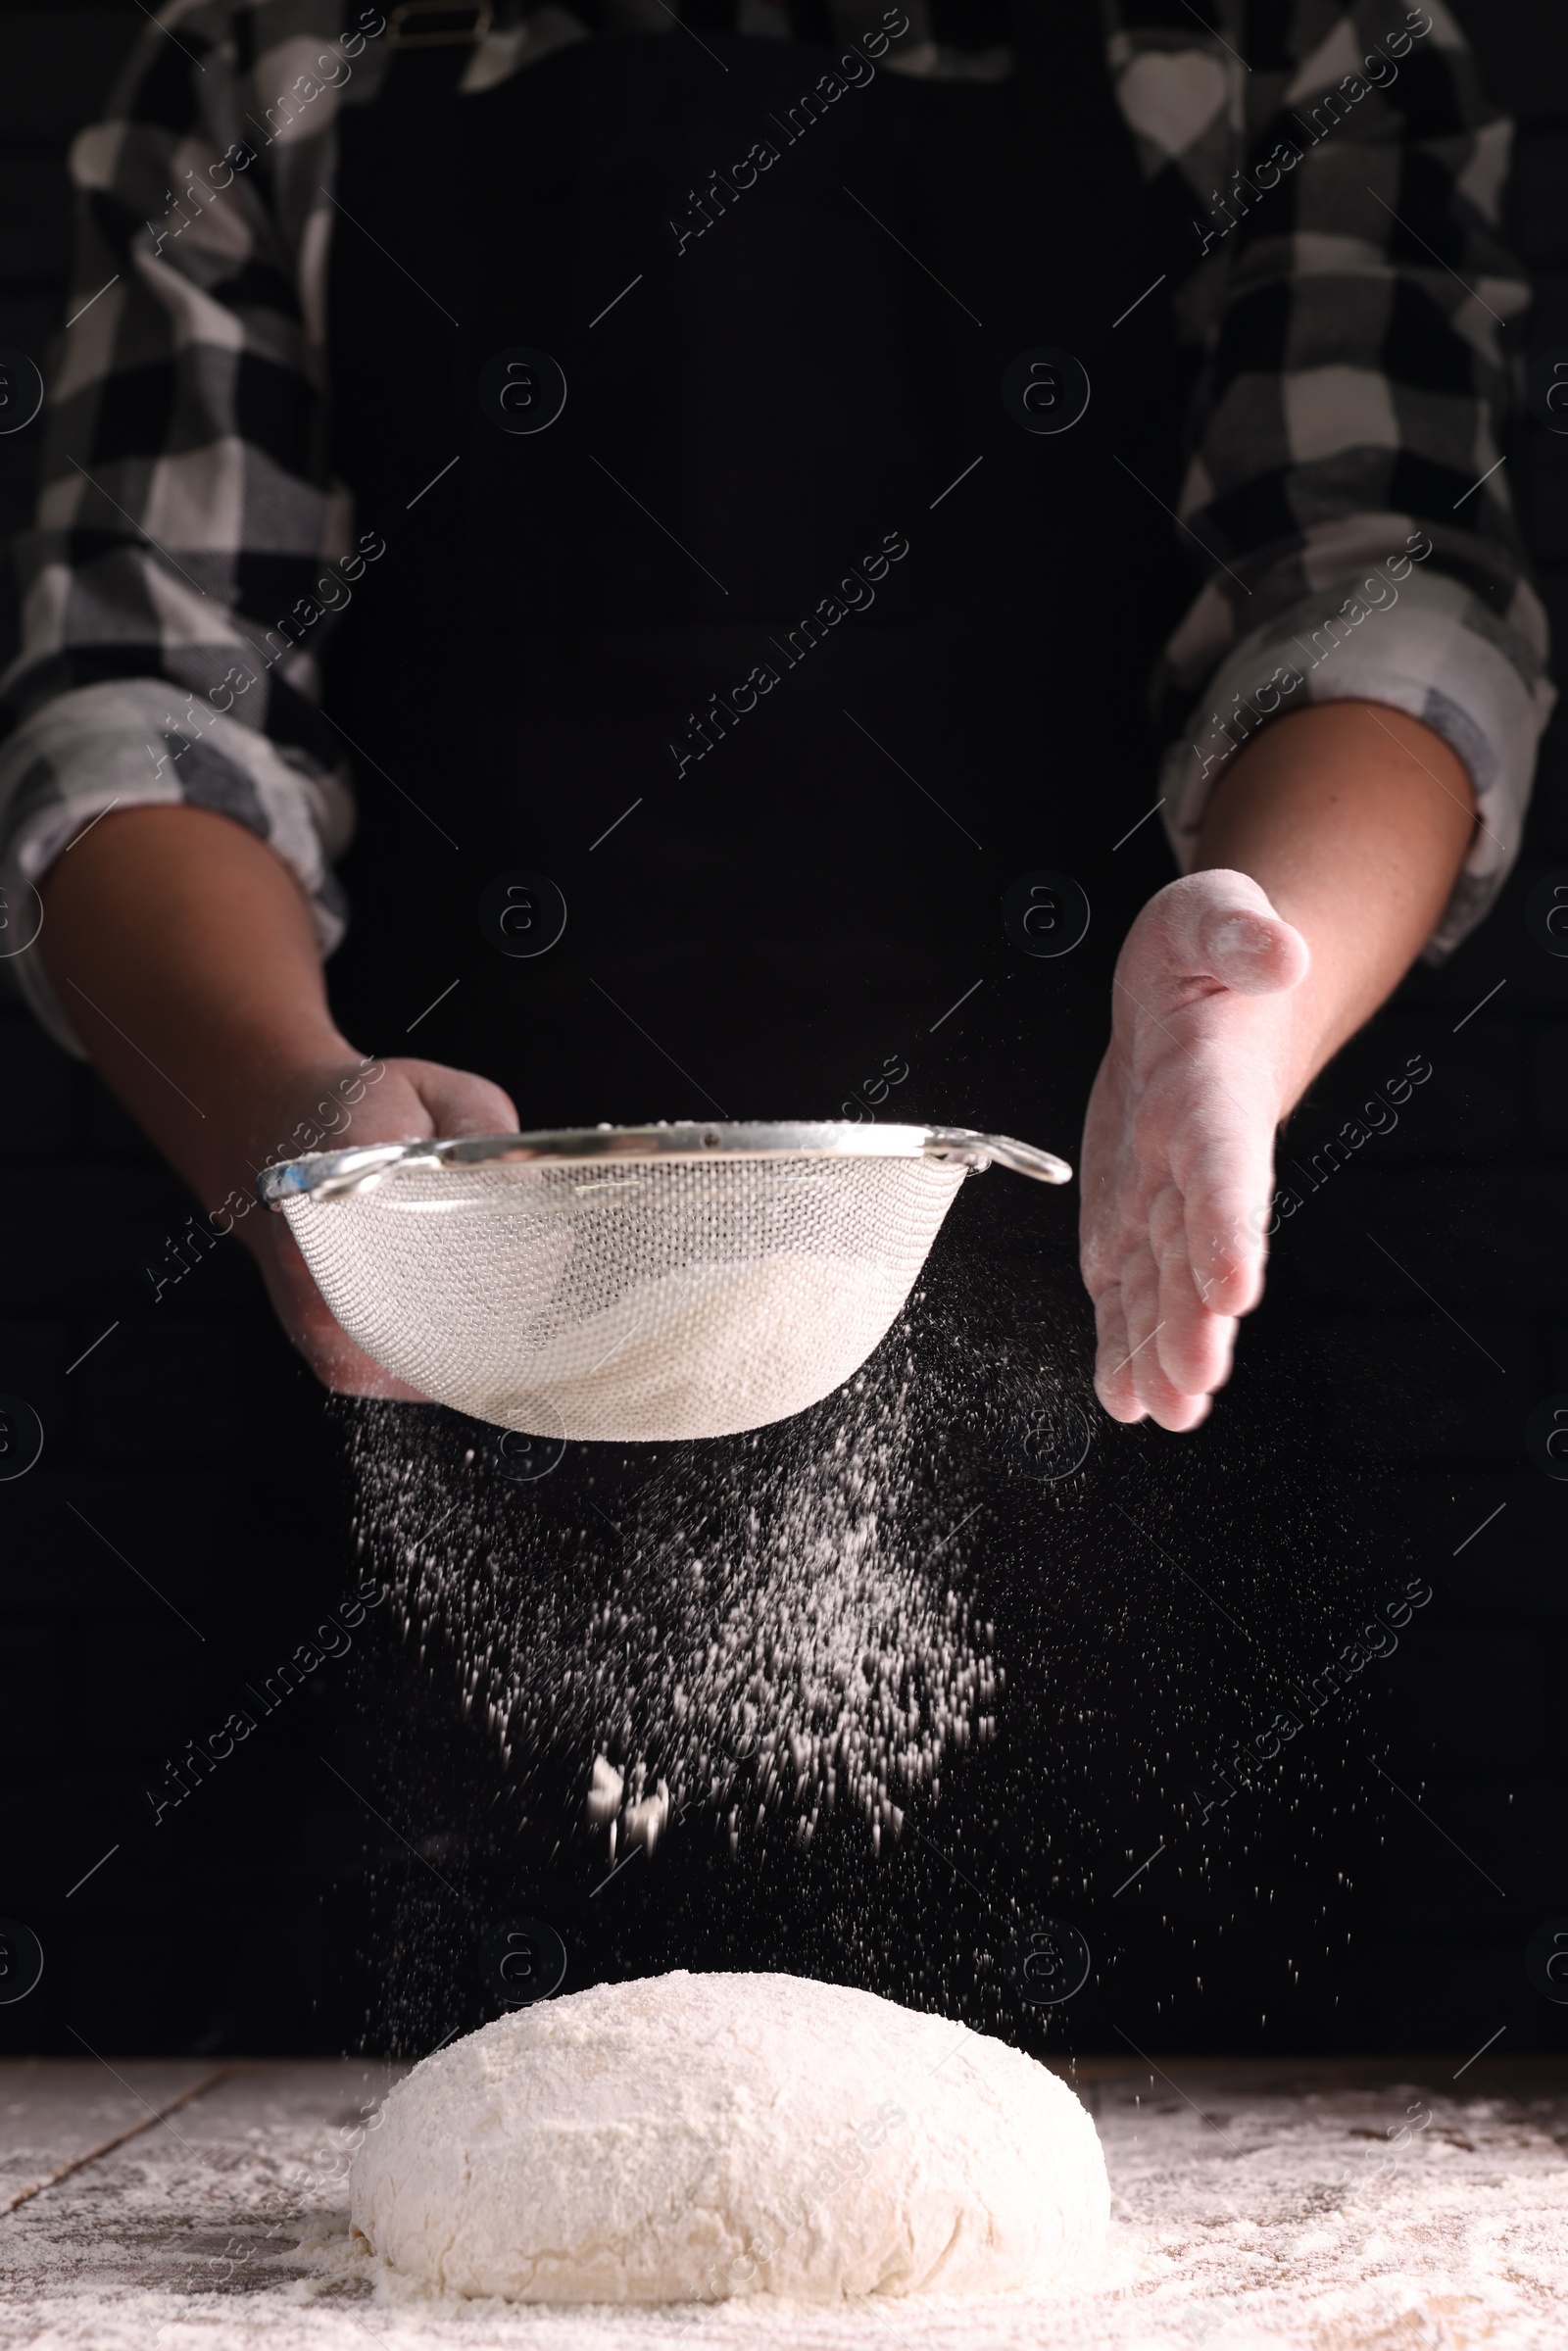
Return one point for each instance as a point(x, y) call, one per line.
point(408, 1103)
point(183, 949)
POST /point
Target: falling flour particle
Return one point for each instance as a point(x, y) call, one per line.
point(644, 1820)
point(693, 2137)
point(606, 1786)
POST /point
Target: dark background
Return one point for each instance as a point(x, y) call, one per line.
point(1367, 1435)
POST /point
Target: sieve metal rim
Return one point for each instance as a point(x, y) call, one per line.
point(332, 1175)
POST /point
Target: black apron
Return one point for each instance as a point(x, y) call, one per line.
point(809, 876)
point(781, 926)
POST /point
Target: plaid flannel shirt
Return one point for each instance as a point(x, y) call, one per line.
point(1325, 180)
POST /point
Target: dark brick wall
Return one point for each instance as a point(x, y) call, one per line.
point(189, 1516)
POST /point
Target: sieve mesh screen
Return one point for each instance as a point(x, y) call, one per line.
point(638, 1300)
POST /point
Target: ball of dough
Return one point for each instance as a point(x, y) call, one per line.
point(695, 2137)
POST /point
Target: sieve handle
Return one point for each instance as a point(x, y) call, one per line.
point(978, 1151)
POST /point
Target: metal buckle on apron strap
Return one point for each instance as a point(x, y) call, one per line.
point(444, 33)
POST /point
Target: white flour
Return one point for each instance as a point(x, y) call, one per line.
point(706, 1351)
point(768, 1629)
point(695, 2137)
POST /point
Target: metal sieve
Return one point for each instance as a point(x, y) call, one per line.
point(631, 1284)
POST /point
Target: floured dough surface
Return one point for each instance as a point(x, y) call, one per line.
point(697, 2137)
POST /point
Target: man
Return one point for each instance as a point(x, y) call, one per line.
point(783, 259)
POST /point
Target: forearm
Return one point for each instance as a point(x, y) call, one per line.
point(183, 950)
point(186, 954)
point(1355, 819)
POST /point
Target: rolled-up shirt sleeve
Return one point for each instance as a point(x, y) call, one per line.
point(191, 550)
point(1331, 205)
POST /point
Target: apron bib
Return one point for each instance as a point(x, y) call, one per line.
point(784, 649)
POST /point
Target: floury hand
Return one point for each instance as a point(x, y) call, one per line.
point(1178, 1143)
point(1328, 852)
